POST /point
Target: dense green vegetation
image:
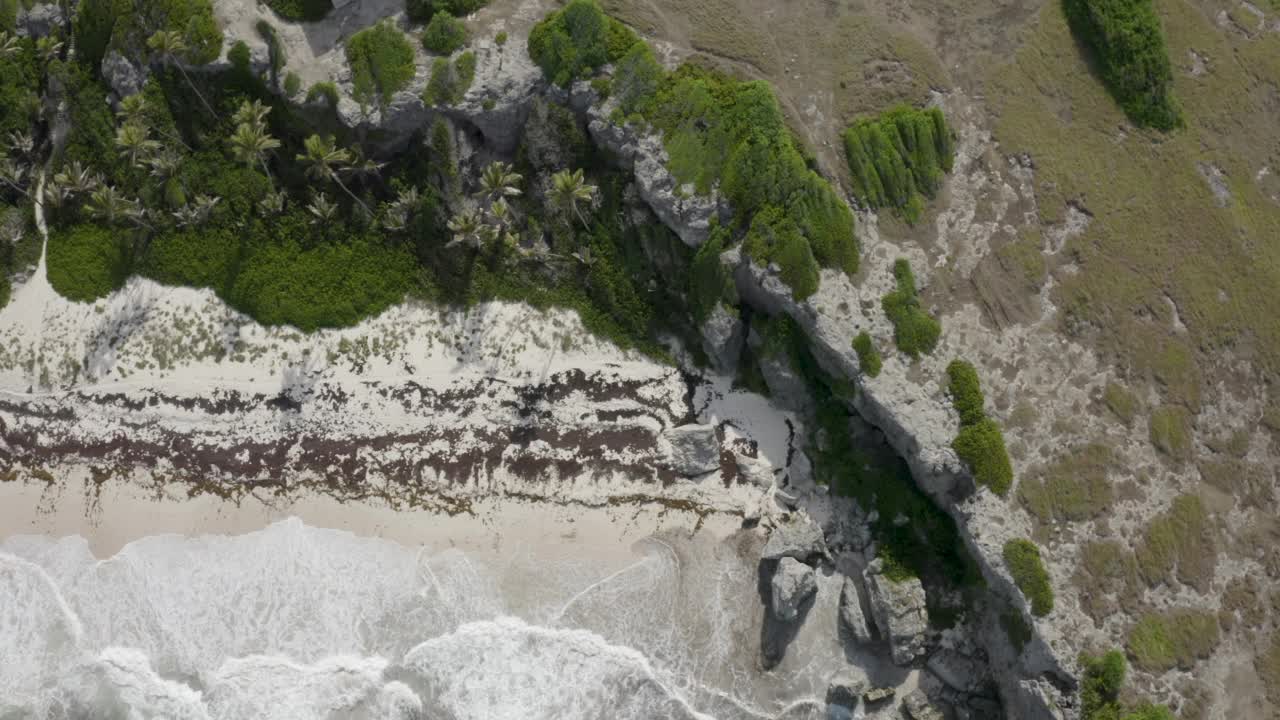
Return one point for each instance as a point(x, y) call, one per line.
point(103, 24)
point(1127, 42)
point(709, 281)
point(868, 356)
point(981, 446)
point(444, 34)
point(421, 11)
point(899, 156)
point(19, 88)
point(381, 60)
point(308, 10)
point(1175, 638)
point(980, 443)
point(576, 40)
point(1023, 559)
point(717, 130)
point(87, 262)
point(915, 332)
point(1100, 687)
point(450, 80)
point(966, 392)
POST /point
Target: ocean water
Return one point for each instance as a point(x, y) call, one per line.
point(295, 622)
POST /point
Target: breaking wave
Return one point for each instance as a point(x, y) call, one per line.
point(296, 622)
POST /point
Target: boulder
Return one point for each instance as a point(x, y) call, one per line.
point(793, 583)
point(722, 337)
point(40, 20)
point(694, 449)
point(959, 672)
point(799, 538)
point(851, 614)
point(878, 695)
point(898, 609)
point(757, 471)
point(846, 687)
point(917, 706)
point(124, 77)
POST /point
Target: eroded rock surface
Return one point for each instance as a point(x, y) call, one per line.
point(798, 538)
point(793, 583)
point(898, 608)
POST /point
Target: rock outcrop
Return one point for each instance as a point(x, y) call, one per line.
point(851, 614)
point(723, 335)
point(695, 449)
point(40, 20)
point(123, 75)
point(792, 585)
point(679, 206)
point(846, 687)
point(798, 538)
point(898, 608)
point(917, 706)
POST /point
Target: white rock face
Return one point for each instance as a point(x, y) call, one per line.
point(899, 612)
point(918, 706)
point(124, 76)
point(499, 99)
point(41, 20)
point(799, 539)
point(722, 338)
point(695, 449)
point(793, 583)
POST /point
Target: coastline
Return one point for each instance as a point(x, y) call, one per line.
point(119, 512)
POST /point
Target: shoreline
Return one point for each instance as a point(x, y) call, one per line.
point(116, 513)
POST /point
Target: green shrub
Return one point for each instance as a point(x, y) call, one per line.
point(292, 85)
point(381, 62)
point(1175, 638)
point(914, 331)
point(88, 262)
point(1170, 431)
point(94, 22)
point(575, 41)
point(981, 446)
point(775, 238)
point(421, 11)
point(135, 22)
point(1126, 39)
point(868, 357)
point(239, 56)
point(966, 392)
point(450, 80)
point(306, 10)
point(500, 38)
point(324, 90)
point(636, 78)
point(275, 48)
point(898, 156)
point(1023, 559)
point(444, 34)
point(1100, 686)
point(8, 15)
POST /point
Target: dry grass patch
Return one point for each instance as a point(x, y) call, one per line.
point(1074, 487)
point(1176, 638)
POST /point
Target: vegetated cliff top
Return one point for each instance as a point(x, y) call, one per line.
point(1114, 284)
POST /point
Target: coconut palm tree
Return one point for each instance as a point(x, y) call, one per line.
point(170, 46)
point(251, 113)
point(76, 178)
point(133, 109)
point(322, 209)
point(48, 48)
point(273, 202)
point(164, 163)
point(111, 205)
point(13, 174)
point(134, 144)
point(397, 213)
point(465, 227)
point(250, 144)
point(569, 190)
point(9, 45)
point(324, 160)
point(22, 143)
point(197, 211)
point(498, 181)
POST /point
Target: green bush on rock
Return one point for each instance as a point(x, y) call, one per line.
point(421, 11)
point(966, 392)
point(775, 238)
point(381, 60)
point(1103, 679)
point(1175, 638)
point(573, 42)
point(898, 156)
point(1023, 559)
point(308, 10)
point(868, 357)
point(981, 446)
point(444, 34)
point(914, 331)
